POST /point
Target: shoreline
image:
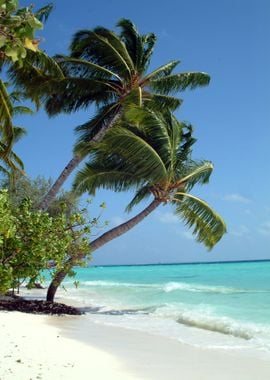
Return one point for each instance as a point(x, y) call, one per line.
point(68, 347)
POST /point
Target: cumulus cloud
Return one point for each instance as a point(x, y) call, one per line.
point(236, 198)
point(168, 217)
point(240, 231)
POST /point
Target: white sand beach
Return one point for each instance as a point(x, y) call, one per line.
point(51, 347)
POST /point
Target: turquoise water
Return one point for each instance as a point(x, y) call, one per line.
point(221, 305)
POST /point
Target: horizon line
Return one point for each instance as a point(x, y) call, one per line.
point(183, 263)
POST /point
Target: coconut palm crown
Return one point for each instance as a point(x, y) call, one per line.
point(152, 155)
point(108, 70)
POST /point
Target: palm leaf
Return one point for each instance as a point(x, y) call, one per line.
point(162, 102)
point(195, 172)
point(6, 113)
point(162, 71)
point(139, 47)
point(43, 13)
point(142, 194)
point(85, 68)
point(154, 128)
point(95, 176)
point(179, 82)
point(18, 132)
point(87, 131)
point(22, 110)
point(118, 45)
point(149, 41)
point(88, 45)
point(136, 153)
point(208, 226)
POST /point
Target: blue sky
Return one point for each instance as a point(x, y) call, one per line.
point(229, 40)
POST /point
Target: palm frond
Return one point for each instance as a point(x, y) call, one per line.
point(11, 161)
point(6, 113)
point(97, 176)
point(195, 172)
point(87, 131)
point(162, 102)
point(135, 152)
point(179, 82)
point(153, 128)
point(4, 171)
point(161, 71)
point(18, 132)
point(142, 194)
point(85, 69)
point(208, 226)
point(132, 40)
point(43, 13)
point(184, 149)
point(72, 93)
point(118, 45)
point(139, 47)
point(22, 110)
point(149, 41)
point(88, 45)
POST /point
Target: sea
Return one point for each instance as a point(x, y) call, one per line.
point(213, 305)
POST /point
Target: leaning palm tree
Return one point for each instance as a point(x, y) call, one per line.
point(151, 155)
point(110, 71)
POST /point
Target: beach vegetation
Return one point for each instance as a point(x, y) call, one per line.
point(32, 241)
point(18, 27)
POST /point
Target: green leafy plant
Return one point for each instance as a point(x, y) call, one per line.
point(31, 241)
point(18, 27)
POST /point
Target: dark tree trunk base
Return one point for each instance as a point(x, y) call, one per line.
point(37, 307)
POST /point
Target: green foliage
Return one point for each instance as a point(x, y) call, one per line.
point(17, 31)
point(10, 106)
point(31, 239)
point(21, 187)
point(151, 154)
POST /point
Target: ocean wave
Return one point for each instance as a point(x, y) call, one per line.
point(173, 286)
point(202, 317)
point(219, 325)
point(117, 284)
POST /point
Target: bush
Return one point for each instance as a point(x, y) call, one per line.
point(31, 239)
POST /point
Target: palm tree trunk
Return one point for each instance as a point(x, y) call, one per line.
point(50, 196)
point(99, 242)
point(73, 163)
point(124, 227)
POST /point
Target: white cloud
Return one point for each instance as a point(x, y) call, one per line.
point(236, 198)
point(168, 217)
point(240, 231)
point(264, 228)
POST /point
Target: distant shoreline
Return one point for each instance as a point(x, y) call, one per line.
point(185, 263)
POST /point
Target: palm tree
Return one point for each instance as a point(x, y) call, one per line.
point(9, 133)
point(110, 71)
point(151, 155)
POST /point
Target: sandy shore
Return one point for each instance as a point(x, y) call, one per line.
point(46, 347)
point(33, 349)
